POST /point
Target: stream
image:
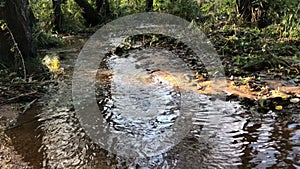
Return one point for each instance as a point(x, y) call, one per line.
point(214, 133)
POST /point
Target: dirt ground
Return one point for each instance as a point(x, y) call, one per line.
point(9, 158)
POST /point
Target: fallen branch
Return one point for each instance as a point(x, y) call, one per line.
point(22, 95)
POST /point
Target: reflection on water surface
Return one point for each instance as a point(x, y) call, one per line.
point(135, 100)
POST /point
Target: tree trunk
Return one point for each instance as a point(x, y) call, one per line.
point(18, 35)
point(103, 8)
point(244, 8)
point(254, 11)
point(58, 16)
point(149, 5)
point(5, 58)
point(261, 14)
point(89, 13)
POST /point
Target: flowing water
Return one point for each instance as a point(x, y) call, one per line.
point(137, 104)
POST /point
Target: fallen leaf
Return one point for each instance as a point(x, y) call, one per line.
point(279, 107)
point(294, 100)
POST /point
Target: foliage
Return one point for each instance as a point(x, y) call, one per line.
point(46, 39)
point(287, 14)
point(43, 30)
point(246, 45)
point(283, 14)
point(188, 9)
point(125, 7)
point(73, 20)
point(43, 11)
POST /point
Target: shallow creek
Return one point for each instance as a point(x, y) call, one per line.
point(136, 102)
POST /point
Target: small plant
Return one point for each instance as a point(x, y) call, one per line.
point(14, 48)
point(53, 64)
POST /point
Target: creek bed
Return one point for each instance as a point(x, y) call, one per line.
point(221, 134)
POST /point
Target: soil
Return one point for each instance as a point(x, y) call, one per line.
point(9, 158)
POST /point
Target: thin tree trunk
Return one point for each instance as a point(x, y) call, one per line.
point(149, 5)
point(99, 4)
point(252, 11)
point(103, 8)
point(5, 54)
point(244, 8)
point(58, 16)
point(89, 13)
